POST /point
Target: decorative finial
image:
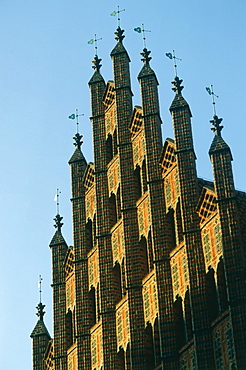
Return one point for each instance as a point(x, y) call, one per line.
point(172, 56)
point(77, 115)
point(142, 30)
point(40, 288)
point(177, 83)
point(41, 312)
point(119, 34)
point(115, 12)
point(94, 41)
point(96, 63)
point(217, 128)
point(56, 199)
point(78, 142)
point(146, 57)
point(58, 223)
point(211, 92)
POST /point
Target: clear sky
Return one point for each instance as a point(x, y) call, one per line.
point(45, 66)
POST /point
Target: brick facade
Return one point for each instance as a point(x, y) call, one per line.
point(156, 276)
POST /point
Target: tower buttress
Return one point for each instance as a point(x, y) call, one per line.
point(153, 146)
point(59, 249)
point(185, 156)
point(78, 167)
point(123, 103)
point(234, 262)
point(40, 339)
point(106, 292)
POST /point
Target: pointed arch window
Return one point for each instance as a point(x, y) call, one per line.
point(115, 140)
point(144, 256)
point(179, 321)
point(109, 148)
point(112, 210)
point(144, 176)
point(211, 293)
point(138, 185)
point(69, 328)
point(149, 347)
point(89, 235)
point(118, 282)
point(92, 304)
point(222, 291)
point(188, 316)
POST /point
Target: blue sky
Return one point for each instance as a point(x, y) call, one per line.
point(45, 66)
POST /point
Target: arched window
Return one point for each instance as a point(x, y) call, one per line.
point(115, 148)
point(138, 185)
point(144, 177)
point(89, 235)
point(211, 293)
point(149, 348)
point(112, 210)
point(188, 316)
point(118, 203)
point(69, 328)
point(118, 282)
point(179, 322)
point(222, 291)
point(150, 251)
point(179, 227)
point(121, 360)
point(171, 229)
point(143, 257)
point(109, 148)
point(156, 337)
point(92, 304)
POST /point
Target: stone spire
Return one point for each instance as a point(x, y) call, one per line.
point(40, 328)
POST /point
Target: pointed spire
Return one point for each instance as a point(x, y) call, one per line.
point(146, 59)
point(217, 128)
point(177, 85)
point(119, 34)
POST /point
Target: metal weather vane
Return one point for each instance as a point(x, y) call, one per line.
point(172, 56)
point(94, 41)
point(142, 30)
point(211, 92)
point(115, 12)
point(76, 115)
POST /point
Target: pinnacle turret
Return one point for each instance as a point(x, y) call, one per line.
point(40, 328)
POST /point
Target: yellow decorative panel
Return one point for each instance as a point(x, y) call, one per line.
point(117, 242)
point(96, 347)
point(143, 216)
point(150, 299)
point(93, 268)
point(70, 292)
point(122, 325)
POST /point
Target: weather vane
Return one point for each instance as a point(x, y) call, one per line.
point(211, 92)
point(94, 41)
point(40, 287)
point(115, 12)
point(77, 115)
point(172, 56)
point(142, 30)
point(56, 199)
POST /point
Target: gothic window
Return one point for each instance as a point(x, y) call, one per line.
point(179, 228)
point(144, 176)
point(138, 185)
point(150, 251)
point(211, 293)
point(118, 203)
point(150, 354)
point(157, 343)
point(118, 282)
point(89, 235)
point(144, 257)
point(109, 148)
point(179, 322)
point(171, 229)
point(115, 148)
point(188, 316)
point(112, 210)
point(222, 291)
point(121, 360)
point(92, 303)
point(69, 328)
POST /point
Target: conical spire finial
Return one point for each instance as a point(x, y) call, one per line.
point(58, 224)
point(177, 85)
point(146, 59)
point(96, 63)
point(217, 128)
point(119, 34)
